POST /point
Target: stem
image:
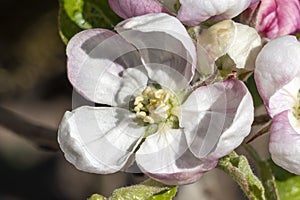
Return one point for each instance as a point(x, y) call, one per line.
point(263, 129)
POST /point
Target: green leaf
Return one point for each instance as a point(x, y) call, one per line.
point(148, 190)
point(239, 169)
point(268, 181)
point(279, 173)
point(67, 27)
point(288, 184)
point(165, 195)
point(78, 15)
point(289, 189)
point(253, 90)
point(98, 14)
point(267, 177)
point(97, 197)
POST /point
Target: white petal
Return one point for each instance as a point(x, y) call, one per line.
point(96, 60)
point(245, 46)
point(206, 61)
point(239, 41)
point(185, 170)
point(133, 82)
point(161, 39)
point(161, 149)
point(99, 140)
point(276, 65)
point(212, 115)
point(194, 12)
point(285, 143)
point(285, 98)
point(167, 77)
point(239, 129)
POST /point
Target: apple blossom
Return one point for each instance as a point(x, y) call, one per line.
point(193, 13)
point(239, 42)
point(189, 12)
point(274, 18)
point(278, 80)
point(157, 121)
point(132, 8)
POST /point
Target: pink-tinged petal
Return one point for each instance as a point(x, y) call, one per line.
point(285, 143)
point(285, 98)
point(276, 65)
point(240, 126)
point(254, 2)
point(131, 8)
point(278, 17)
point(193, 12)
point(165, 157)
point(185, 170)
point(161, 149)
point(161, 39)
point(96, 60)
point(222, 115)
point(99, 140)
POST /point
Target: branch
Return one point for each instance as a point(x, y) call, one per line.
point(43, 137)
point(263, 129)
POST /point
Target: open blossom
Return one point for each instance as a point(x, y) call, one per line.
point(239, 42)
point(132, 8)
point(190, 12)
point(157, 122)
point(274, 18)
point(278, 80)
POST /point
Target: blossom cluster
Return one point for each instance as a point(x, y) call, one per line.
point(171, 102)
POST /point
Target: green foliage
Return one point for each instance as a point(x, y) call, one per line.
point(288, 184)
point(148, 190)
point(267, 177)
point(289, 189)
point(165, 195)
point(279, 173)
point(268, 180)
point(253, 90)
point(78, 15)
point(239, 169)
point(97, 197)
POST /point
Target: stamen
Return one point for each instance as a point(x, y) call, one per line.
point(155, 105)
point(149, 120)
point(141, 115)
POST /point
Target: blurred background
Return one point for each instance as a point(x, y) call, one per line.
point(34, 94)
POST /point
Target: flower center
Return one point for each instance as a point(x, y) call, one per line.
point(156, 105)
point(296, 111)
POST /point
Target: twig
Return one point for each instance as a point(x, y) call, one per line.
point(264, 129)
point(43, 137)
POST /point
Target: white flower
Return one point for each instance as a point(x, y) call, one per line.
point(278, 80)
point(194, 12)
point(157, 121)
point(239, 42)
